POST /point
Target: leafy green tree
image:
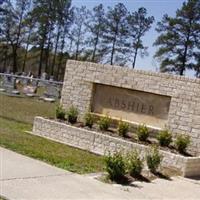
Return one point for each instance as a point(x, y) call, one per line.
point(178, 39)
point(138, 24)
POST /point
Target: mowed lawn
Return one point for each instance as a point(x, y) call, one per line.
point(16, 117)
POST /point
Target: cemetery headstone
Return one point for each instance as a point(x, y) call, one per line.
point(30, 90)
point(52, 93)
point(1, 84)
point(24, 80)
point(42, 82)
point(9, 84)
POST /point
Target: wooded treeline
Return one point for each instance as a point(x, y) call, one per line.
point(40, 35)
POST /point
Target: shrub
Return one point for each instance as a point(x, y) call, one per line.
point(134, 164)
point(123, 128)
point(182, 142)
point(89, 120)
point(142, 133)
point(72, 115)
point(115, 166)
point(60, 112)
point(104, 123)
point(165, 138)
point(153, 159)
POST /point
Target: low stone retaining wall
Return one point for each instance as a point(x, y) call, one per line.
point(100, 143)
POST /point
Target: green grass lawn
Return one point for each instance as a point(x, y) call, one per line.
point(16, 117)
point(24, 109)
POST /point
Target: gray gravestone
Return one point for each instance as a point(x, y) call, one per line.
point(52, 93)
point(43, 83)
point(30, 91)
point(9, 84)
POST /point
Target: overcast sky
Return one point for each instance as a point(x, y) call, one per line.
point(157, 8)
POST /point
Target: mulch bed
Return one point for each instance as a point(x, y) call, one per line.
point(131, 137)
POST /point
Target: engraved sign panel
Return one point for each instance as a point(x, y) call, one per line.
point(131, 105)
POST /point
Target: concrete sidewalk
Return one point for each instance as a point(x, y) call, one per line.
point(25, 178)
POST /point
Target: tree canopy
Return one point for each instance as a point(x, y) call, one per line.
point(40, 35)
point(179, 39)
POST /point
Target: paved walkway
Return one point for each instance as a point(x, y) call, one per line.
point(25, 178)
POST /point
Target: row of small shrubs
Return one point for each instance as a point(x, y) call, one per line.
point(117, 165)
point(71, 114)
point(164, 137)
point(181, 142)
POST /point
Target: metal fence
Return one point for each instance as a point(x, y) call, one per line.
point(31, 78)
point(8, 85)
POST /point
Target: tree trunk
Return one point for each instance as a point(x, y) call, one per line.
point(95, 47)
point(41, 57)
point(44, 36)
point(61, 50)
point(5, 57)
point(113, 46)
point(136, 52)
point(77, 50)
point(26, 53)
point(48, 50)
point(113, 51)
point(55, 52)
point(14, 59)
point(78, 43)
point(15, 68)
point(183, 68)
point(184, 60)
point(135, 56)
point(70, 46)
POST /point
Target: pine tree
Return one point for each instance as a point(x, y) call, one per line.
point(114, 40)
point(78, 32)
point(63, 21)
point(13, 16)
point(96, 27)
point(139, 24)
point(196, 65)
point(178, 38)
point(43, 12)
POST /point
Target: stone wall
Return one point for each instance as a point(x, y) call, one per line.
point(100, 144)
point(184, 111)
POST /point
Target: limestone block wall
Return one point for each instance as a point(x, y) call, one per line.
point(184, 112)
point(100, 144)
